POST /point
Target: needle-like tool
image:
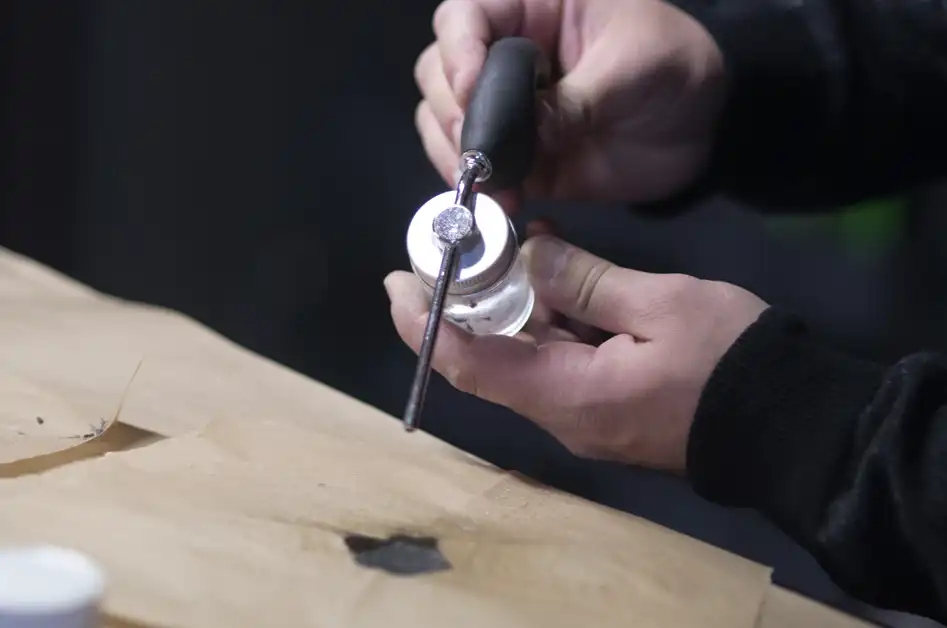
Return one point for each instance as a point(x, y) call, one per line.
point(499, 144)
point(451, 227)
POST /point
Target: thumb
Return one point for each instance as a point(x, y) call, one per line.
point(587, 288)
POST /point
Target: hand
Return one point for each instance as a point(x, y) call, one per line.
point(631, 398)
point(631, 119)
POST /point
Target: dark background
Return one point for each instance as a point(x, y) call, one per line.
point(255, 165)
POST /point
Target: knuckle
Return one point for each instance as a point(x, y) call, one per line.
point(725, 293)
point(677, 286)
point(462, 378)
point(628, 447)
point(422, 65)
point(584, 447)
point(596, 433)
point(737, 307)
point(420, 114)
point(584, 433)
point(590, 282)
point(578, 447)
point(667, 294)
point(442, 14)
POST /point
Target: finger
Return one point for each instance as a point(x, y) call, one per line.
point(588, 289)
point(429, 75)
point(542, 313)
point(586, 333)
point(579, 331)
point(547, 334)
point(545, 326)
point(464, 29)
point(438, 148)
point(410, 306)
point(463, 32)
point(569, 166)
point(542, 383)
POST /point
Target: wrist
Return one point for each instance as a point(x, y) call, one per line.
point(776, 402)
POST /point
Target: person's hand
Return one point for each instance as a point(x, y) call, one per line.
point(631, 398)
point(630, 120)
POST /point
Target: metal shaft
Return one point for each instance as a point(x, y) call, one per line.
point(473, 171)
point(422, 374)
point(466, 182)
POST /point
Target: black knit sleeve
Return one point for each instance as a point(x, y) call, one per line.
point(847, 457)
point(831, 101)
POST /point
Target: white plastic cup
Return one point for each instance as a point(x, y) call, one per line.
point(49, 587)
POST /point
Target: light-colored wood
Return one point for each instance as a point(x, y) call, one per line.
point(785, 609)
point(223, 493)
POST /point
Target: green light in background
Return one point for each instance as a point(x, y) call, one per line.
point(872, 225)
point(867, 228)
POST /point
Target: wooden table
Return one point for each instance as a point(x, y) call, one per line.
point(224, 492)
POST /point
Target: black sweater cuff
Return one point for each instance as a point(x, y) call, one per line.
point(776, 421)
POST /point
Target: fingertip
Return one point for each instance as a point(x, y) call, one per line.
point(545, 255)
point(392, 279)
point(406, 293)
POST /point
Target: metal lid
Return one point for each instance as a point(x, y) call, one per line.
point(485, 256)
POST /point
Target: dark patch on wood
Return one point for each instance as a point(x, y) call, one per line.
point(400, 555)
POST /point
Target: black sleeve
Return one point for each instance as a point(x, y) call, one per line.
point(847, 457)
point(831, 101)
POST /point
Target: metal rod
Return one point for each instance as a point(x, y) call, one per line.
point(465, 184)
point(422, 374)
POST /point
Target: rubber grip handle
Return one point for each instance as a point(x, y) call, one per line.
point(501, 120)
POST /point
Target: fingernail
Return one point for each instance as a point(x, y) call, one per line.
point(548, 258)
point(387, 283)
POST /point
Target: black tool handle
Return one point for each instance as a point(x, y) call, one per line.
point(501, 119)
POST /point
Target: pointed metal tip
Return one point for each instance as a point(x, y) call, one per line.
point(410, 419)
